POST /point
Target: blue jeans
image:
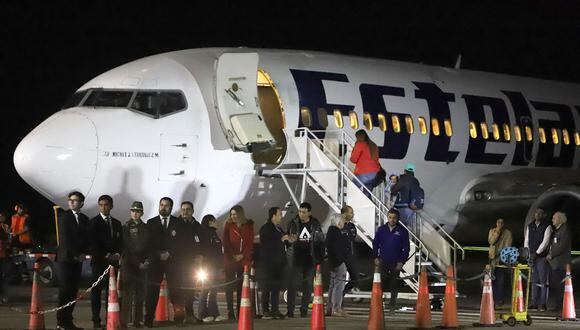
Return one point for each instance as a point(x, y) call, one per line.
point(540, 274)
point(368, 180)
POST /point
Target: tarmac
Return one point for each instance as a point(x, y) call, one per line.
point(14, 315)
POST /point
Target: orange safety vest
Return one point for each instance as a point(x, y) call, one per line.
point(18, 224)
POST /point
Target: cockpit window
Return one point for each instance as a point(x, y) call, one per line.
point(108, 98)
point(75, 99)
point(154, 103)
point(157, 103)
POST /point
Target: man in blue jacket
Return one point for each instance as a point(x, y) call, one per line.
point(391, 250)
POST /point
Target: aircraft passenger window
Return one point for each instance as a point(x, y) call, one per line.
point(353, 119)
point(542, 134)
point(577, 138)
point(472, 130)
point(422, 125)
point(435, 126)
point(382, 122)
point(158, 103)
point(396, 124)
point(565, 137)
point(322, 117)
point(305, 115)
point(484, 131)
point(555, 136)
point(448, 127)
point(409, 124)
point(529, 134)
point(518, 133)
point(506, 132)
point(108, 98)
point(367, 122)
point(338, 119)
point(75, 99)
point(495, 131)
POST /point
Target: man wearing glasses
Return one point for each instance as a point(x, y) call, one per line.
point(74, 235)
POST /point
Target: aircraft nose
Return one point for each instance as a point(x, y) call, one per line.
point(60, 155)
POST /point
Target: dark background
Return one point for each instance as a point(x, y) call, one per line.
point(49, 49)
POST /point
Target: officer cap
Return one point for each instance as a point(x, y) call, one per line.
point(137, 206)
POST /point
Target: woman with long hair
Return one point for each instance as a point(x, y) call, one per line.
point(365, 156)
point(238, 241)
point(213, 263)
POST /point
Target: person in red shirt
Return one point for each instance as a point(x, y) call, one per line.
point(365, 155)
point(238, 242)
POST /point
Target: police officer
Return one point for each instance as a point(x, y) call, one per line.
point(195, 238)
point(166, 240)
point(106, 247)
point(135, 260)
point(74, 238)
point(537, 240)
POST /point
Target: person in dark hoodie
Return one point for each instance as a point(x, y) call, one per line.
point(337, 247)
point(213, 264)
point(391, 250)
point(402, 192)
point(273, 251)
point(306, 250)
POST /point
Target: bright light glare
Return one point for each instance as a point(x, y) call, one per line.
point(201, 275)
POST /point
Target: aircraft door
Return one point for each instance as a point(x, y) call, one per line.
point(237, 101)
point(178, 157)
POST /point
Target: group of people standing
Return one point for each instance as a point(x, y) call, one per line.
point(549, 247)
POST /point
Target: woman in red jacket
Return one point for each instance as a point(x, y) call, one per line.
point(365, 155)
point(238, 244)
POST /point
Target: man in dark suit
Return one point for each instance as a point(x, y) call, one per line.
point(559, 255)
point(73, 235)
point(106, 247)
point(167, 238)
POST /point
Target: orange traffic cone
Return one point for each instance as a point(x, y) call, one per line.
point(317, 321)
point(113, 314)
point(255, 295)
point(520, 295)
point(162, 309)
point(449, 320)
point(423, 308)
point(568, 306)
point(245, 319)
point(486, 311)
point(376, 314)
point(36, 321)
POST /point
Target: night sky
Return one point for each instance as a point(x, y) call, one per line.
point(49, 49)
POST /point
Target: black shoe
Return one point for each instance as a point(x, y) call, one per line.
point(69, 326)
point(533, 307)
point(542, 308)
point(303, 313)
point(97, 325)
point(278, 316)
point(138, 325)
point(267, 316)
point(148, 324)
point(231, 316)
point(290, 315)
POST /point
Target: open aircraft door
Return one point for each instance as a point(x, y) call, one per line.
point(237, 102)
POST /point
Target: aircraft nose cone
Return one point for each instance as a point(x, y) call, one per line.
point(60, 155)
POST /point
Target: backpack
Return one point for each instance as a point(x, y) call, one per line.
point(417, 200)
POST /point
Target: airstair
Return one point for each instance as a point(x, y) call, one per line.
point(321, 160)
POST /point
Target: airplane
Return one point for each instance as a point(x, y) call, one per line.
point(200, 124)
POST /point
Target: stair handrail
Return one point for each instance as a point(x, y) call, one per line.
point(344, 171)
point(426, 216)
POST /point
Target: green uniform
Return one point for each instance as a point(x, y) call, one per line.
point(135, 253)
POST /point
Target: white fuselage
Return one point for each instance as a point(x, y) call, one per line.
point(187, 155)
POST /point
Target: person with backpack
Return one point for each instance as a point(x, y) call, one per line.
point(409, 195)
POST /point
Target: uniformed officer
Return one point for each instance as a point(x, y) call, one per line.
point(194, 247)
point(166, 241)
point(106, 247)
point(135, 260)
